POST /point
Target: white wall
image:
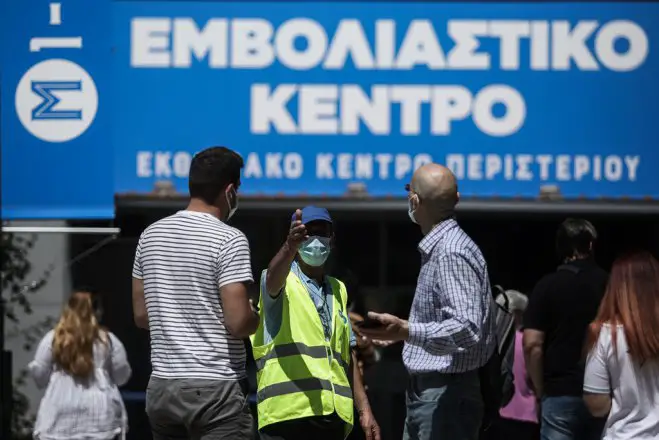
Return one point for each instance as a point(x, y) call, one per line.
point(49, 249)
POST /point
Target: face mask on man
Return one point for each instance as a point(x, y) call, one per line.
point(234, 208)
point(315, 250)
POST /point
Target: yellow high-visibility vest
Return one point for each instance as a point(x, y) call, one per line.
point(299, 373)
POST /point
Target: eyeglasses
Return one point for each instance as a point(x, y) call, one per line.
point(409, 189)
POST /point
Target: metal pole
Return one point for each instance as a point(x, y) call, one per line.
point(6, 394)
point(60, 230)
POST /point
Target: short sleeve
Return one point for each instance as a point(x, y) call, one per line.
point(536, 314)
point(353, 339)
point(137, 263)
point(234, 261)
point(120, 369)
point(596, 377)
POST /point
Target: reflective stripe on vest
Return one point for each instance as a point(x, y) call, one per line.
point(296, 349)
point(301, 385)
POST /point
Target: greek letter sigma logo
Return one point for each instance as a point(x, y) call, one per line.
point(56, 100)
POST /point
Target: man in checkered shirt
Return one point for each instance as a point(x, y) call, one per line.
point(451, 330)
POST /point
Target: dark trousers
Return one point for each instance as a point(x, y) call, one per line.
point(197, 409)
point(313, 428)
point(444, 406)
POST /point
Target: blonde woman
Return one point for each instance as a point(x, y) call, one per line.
point(81, 366)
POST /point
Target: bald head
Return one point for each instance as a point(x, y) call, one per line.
point(437, 188)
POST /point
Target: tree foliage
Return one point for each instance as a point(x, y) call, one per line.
point(14, 270)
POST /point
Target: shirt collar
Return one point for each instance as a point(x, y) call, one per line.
point(428, 243)
point(296, 269)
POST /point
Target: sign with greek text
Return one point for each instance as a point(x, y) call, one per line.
point(117, 96)
point(318, 96)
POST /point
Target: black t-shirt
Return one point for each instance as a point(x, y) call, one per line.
point(562, 305)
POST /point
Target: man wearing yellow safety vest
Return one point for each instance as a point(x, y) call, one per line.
point(303, 346)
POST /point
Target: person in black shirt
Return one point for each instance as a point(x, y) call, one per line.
point(561, 307)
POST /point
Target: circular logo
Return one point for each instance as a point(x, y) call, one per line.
point(56, 100)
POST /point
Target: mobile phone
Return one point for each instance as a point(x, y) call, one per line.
point(369, 323)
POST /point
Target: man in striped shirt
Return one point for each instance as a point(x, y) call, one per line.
point(189, 291)
point(451, 331)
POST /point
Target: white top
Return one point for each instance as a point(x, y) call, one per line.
point(184, 259)
point(635, 403)
point(75, 410)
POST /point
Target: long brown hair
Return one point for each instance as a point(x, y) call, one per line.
point(632, 301)
point(75, 335)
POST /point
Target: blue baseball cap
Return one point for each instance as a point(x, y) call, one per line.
point(314, 213)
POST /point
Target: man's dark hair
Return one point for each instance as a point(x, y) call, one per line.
point(211, 171)
point(575, 238)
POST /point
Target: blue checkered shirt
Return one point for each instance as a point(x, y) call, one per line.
point(452, 325)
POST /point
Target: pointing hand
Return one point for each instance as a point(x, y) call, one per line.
point(298, 232)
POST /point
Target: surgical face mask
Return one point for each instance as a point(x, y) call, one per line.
point(315, 250)
point(234, 208)
point(410, 211)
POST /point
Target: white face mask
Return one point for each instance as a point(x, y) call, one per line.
point(315, 250)
point(232, 209)
point(410, 211)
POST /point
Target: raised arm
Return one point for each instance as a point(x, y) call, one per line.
point(280, 265)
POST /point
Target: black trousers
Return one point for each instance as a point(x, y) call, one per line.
point(314, 428)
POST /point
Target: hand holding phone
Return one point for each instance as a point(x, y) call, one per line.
point(369, 323)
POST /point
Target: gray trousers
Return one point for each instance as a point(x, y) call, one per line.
point(197, 409)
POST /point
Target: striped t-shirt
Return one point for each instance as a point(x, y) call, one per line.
point(184, 259)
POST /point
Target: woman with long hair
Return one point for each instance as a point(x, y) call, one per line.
point(81, 365)
point(622, 368)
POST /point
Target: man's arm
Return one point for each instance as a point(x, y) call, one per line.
point(139, 304)
point(366, 419)
point(280, 265)
point(358, 390)
point(278, 269)
point(240, 318)
point(534, 357)
point(536, 321)
point(458, 322)
point(234, 271)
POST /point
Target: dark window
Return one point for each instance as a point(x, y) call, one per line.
point(357, 247)
point(403, 258)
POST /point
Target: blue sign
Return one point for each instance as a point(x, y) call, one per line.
point(322, 95)
point(56, 151)
point(317, 96)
